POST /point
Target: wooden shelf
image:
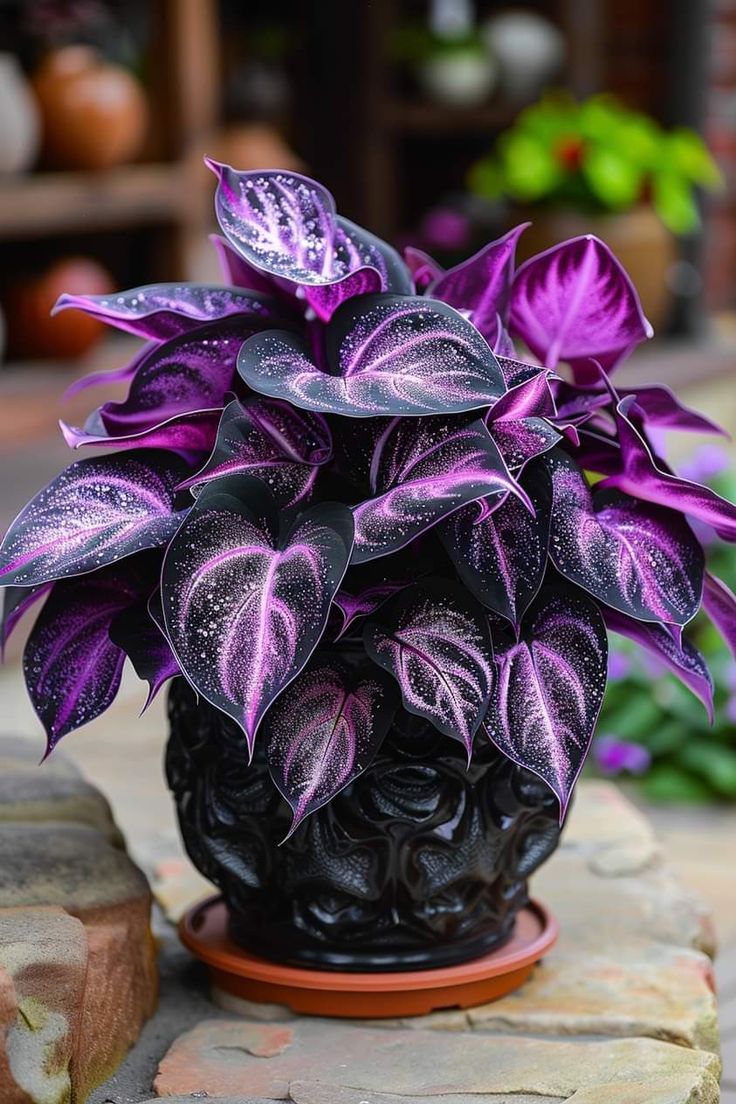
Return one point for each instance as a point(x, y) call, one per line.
point(415, 117)
point(47, 203)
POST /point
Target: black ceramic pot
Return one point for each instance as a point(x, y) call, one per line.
point(420, 862)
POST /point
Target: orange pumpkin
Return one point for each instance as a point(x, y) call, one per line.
point(94, 113)
point(33, 333)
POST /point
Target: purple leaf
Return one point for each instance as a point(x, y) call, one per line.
point(549, 689)
point(238, 273)
point(110, 375)
point(352, 606)
point(515, 372)
point(575, 404)
point(96, 511)
point(642, 560)
point(286, 225)
point(482, 284)
point(657, 405)
point(72, 668)
point(192, 432)
point(189, 373)
point(386, 271)
point(517, 421)
point(681, 657)
point(501, 559)
point(640, 476)
point(245, 607)
point(520, 441)
point(435, 641)
point(137, 633)
point(163, 311)
point(271, 441)
point(719, 602)
point(424, 269)
point(420, 473)
point(17, 600)
point(575, 301)
point(386, 354)
point(324, 730)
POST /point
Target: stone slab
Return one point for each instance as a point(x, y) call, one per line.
point(77, 958)
point(622, 1010)
point(216, 1059)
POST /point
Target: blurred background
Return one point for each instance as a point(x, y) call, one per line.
point(436, 123)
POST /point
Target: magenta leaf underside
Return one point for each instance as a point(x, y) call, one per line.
point(719, 602)
point(549, 689)
point(353, 606)
point(482, 284)
point(576, 302)
point(324, 730)
point(434, 639)
point(244, 606)
point(17, 600)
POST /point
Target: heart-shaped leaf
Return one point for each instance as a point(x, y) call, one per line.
point(549, 689)
point(682, 657)
point(244, 606)
point(482, 283)
point(98, 510)
point(191, 432)
point(638, 474)
point(17, 600)
point(189, 373)
point(641, 560)
point(272, 441)
point(71, 666)
point(286, 225)
point(386, 354)
point(163, 311)
point(420, 473)
point(435, 642)
point(353, 606)
point(138, 634)
point(501, 559)
point(324, 730)
point(719, 602)
point(575, 301)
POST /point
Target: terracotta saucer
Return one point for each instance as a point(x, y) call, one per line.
point(203, 930)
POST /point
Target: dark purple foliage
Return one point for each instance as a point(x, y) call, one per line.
point(335, 491)
point(324, 730)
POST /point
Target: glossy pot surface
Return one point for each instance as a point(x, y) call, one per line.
point(420, 862)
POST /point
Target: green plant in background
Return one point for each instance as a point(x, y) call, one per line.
point(650, 725)
point(597, 155)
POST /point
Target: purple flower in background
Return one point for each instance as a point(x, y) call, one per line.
point(705, 464)
point(333, 495)
point(445, 229)
point(614, 756)
point(619, 665)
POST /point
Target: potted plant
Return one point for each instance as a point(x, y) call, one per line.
point(597, 167)
point(360, 539)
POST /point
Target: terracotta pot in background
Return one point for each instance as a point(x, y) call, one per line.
point(94, 113)
point(644, 246)
point(33, 333)
point(19, 121)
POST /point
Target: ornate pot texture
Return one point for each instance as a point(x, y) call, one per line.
point(420, 862)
